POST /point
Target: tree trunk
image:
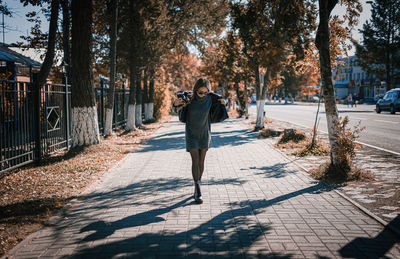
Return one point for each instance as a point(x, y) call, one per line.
point(322, 42)
point(50, 53)
point(130, 122)
point(388, 70)
point(286, 94)
point(145, 95)
point(113, 8)
point(260, 101)
point(151, 95)
point(139, 96)
point(66, 23)
point(131, 119)
point(85, 127)
point(246, 103)
point(261, 93)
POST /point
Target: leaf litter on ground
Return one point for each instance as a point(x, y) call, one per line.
point(30, 195)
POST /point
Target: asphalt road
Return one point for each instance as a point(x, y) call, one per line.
point(382, 130)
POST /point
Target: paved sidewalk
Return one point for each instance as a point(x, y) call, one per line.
point(256, 204)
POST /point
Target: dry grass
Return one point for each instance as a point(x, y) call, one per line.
point(344, 170)
point(296, 142)
point(301, 144)
point(292, 137)
point(270, 133)
point(266, 120)
point(336, 175)
point(29, 196)
point(318, 149)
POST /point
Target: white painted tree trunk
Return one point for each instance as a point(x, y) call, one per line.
point(146, 111)
point(333, 139)
point(260, 114)
point(150, 108)
point(246, 109)
point(108, 123)
point(130, 120)
point(85, 126)
point(138, 116)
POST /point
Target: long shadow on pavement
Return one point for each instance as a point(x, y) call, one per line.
point(376, 247)
point(104, 229)
point(278, 170)
point(135, 195)
point(226, 234)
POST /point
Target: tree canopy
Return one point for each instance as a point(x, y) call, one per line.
point(379, 50)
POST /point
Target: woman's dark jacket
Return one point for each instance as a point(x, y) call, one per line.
point(218, 111)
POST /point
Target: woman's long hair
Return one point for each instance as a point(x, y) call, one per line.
point(201, 82)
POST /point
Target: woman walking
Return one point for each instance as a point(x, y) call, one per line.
point(200, 110)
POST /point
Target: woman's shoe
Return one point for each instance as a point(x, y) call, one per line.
point(197, 193)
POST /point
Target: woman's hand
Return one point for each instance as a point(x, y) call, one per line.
point(178, 102)
point(222, 101)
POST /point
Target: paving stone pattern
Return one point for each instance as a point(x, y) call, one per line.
point(256, 204)
point(380, 196)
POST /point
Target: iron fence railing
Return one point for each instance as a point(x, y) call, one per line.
point(35, 124)
point(16, 129)
point(121, 97)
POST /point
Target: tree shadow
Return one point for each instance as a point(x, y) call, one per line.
point(278, 170)
point(137, 194)
point(149, 187)
point(232, 138)
point(104, 229)
point(375, 247)
point(30, 210)
point(49, 160)
point(229, 233)
point(163, 142)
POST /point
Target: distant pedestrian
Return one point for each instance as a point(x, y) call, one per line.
point(354, 97)
point(200, 110)
point(349, 100)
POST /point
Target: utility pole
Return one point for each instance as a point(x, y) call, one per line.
point(3, 27)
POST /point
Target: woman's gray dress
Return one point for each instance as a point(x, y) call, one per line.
point(198, 129)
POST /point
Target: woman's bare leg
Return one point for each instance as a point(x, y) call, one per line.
point(196, 173)
point(195, 154)
point(202, 158)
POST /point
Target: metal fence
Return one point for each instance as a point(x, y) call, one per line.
point(35, 124)
point(120, 111)
point(17, 129)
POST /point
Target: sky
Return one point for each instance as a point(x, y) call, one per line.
point(364, 16)
point(18, 25)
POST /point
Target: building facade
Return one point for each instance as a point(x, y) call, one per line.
point(349, 78)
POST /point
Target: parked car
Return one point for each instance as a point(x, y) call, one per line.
point(389, 102)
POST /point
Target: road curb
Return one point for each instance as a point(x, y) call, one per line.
point(381, 221)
